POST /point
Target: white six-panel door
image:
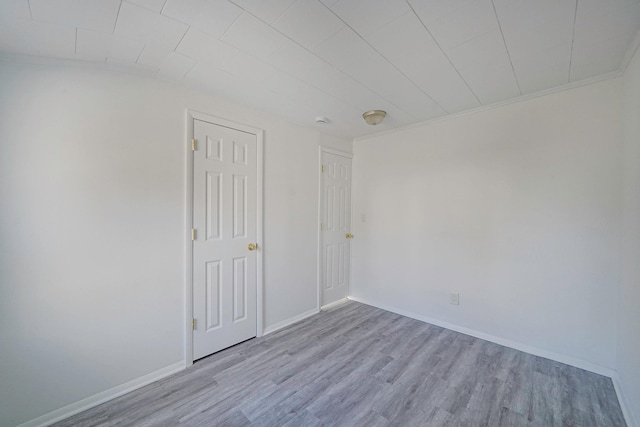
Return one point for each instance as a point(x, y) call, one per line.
point(224, 221)
point(335, 226)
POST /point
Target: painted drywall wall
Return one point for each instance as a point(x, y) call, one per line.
point(628, 354)
point(516, 208)
point(92, 182)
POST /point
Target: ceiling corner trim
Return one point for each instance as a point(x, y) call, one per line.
point(633, 47)
point(565, 87)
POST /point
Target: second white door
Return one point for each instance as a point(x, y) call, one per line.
point(335, 227)
point(225, 230)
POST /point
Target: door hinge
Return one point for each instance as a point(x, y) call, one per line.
point(321, 226)
point(193, 324)
point(194, 145)
point(322, 168)
point(193, 234)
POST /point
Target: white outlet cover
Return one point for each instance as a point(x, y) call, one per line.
point(454, 298)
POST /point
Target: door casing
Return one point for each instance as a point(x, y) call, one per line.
point(190, 116)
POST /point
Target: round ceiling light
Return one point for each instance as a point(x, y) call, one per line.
point(374, 117)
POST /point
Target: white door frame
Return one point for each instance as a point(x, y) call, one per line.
point(188, 224)
point(319, 261)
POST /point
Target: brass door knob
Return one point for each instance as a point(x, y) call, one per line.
point(253, 246)
point(349, 236)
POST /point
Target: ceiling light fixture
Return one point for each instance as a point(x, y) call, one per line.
point(374, 117)
point(321, 120)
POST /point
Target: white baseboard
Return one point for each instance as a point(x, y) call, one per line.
point(568, 360)
point(334, 304)
point(290, 321)
point(97, 399)
point(628, 415)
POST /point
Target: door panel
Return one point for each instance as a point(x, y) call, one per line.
point(214, 205)
point(239, 206)
point(213, 301)
point(239, 289)
point(335, 221)
point(225, 218)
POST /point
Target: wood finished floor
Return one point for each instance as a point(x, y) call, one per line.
point(361, 366)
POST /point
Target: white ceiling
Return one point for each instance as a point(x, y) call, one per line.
point(416, 59)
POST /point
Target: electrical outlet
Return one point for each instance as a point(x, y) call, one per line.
point(454, 298)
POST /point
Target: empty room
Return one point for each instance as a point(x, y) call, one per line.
point(320, 213)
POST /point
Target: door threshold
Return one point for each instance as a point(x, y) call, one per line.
point(334, 304)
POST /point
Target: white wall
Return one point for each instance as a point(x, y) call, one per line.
point(517, 208)
point(629, 302)
point(92, 197)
